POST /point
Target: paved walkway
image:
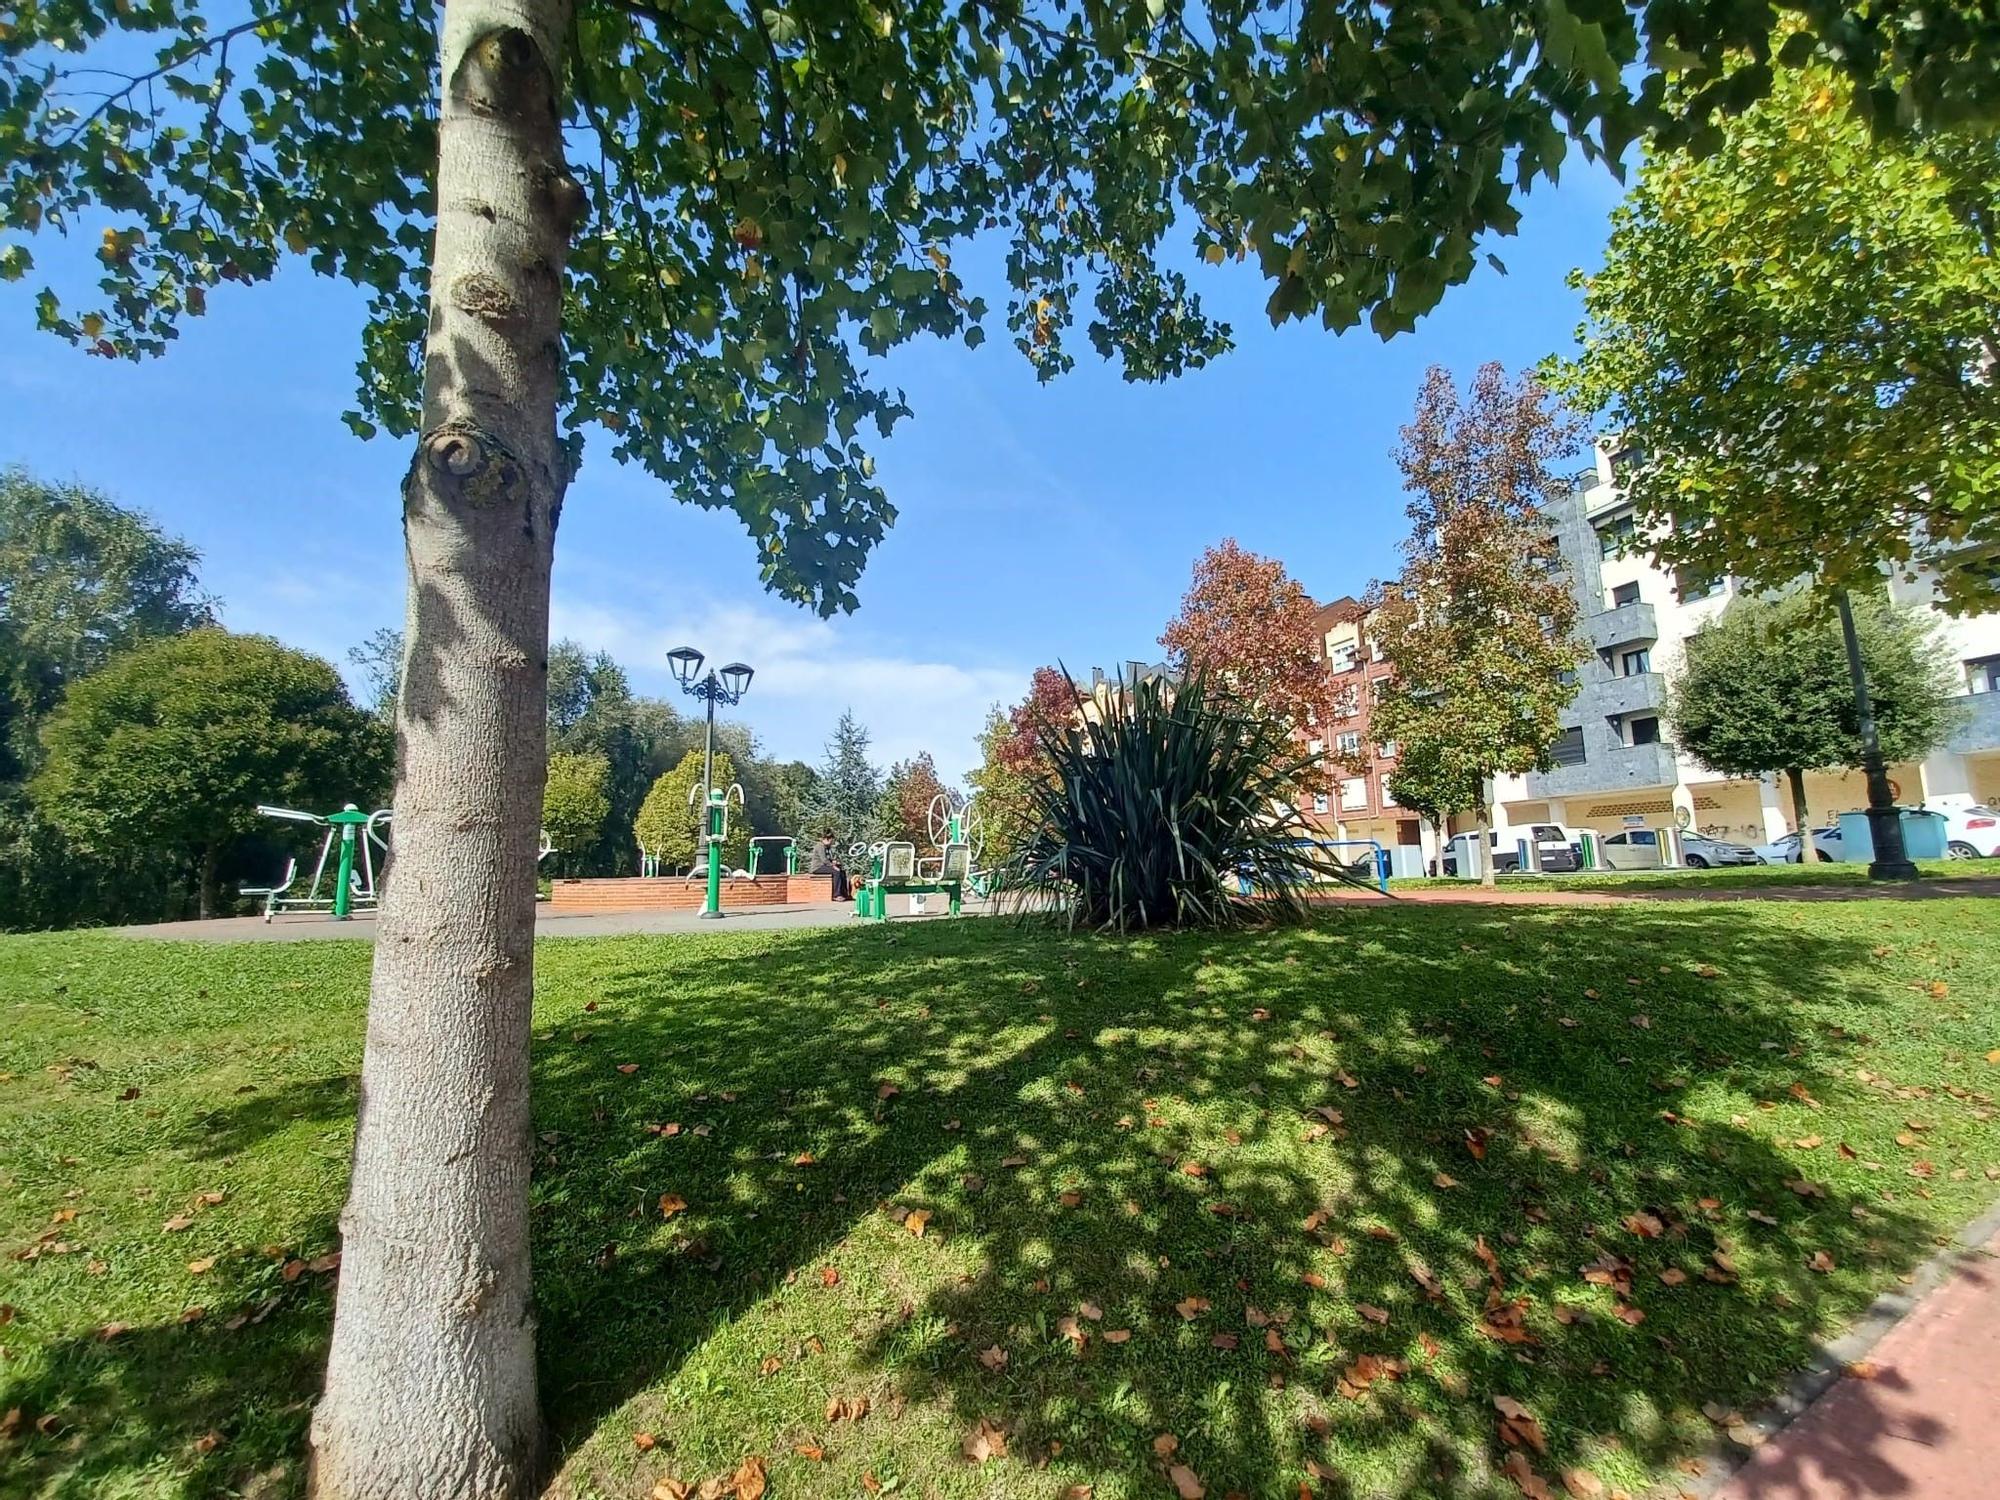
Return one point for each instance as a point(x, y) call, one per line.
point(1525, 895)
point(1918, 1416)
point(297, 927)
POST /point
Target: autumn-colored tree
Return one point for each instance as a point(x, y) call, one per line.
point(1248, 624)
point(1479, 625)
point(1038, 719)
point(902, 812)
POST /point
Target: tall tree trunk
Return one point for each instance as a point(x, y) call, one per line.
point(1483, 830)
point(1807, 852)
point(430, 1383)
point(207, 888)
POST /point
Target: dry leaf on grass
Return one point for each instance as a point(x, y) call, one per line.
point(1518, 1427)
point(983, 1442)
point(1184, 1482)
point(1526, 1480)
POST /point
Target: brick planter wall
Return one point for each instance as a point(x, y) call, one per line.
point(801, 890)
point(663, 893)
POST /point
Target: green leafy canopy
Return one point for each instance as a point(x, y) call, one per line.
point(1795, 335)
point(776, 192)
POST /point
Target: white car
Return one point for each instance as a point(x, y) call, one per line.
point(1785, 851)
point(1970, 832)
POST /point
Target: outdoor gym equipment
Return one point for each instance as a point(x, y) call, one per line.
point(953, 819)
point(353, 831)
point(788, 849)
point(718, 830)
point(894, 873)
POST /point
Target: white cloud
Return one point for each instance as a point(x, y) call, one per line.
point(808, 671)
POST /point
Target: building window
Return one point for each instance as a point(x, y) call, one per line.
point(1347, 703)
point(1636, 663)
point(1615, 536)
point(1347, 743)
point(1691, 585)
point(1567, 677)
point(1388, 797)
point(1320, 802)
point(1340, 657)
point(1645, 731)
point(1982, 675)
point(1568, 748)
point(1374, 649)
point(1625, 593)
point(1313, 747)
point(1386, 750)
point(1353, 793)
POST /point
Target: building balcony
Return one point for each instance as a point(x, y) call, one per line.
point(1979, 728)
point(1627, 768)
point(1642, 692)
point(1628, 623)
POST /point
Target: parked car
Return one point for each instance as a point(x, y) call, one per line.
point(1559, 849)
point(1785, 851)
point(1700, 851)
point(1631, 849)
point(1970, 832)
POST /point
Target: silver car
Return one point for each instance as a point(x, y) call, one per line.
point(1700, 851)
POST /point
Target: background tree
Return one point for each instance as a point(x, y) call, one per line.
point(794, 789)
point(1479, 625)
point(849, 788)
point(1795, 334)
point(576, 801)
point(1763, 690)
point(669, 824)
point(902, 812)
point(1014, 757)
point(773, 194)
point(172, 745)
point(81, 579)
point(379, 660)
point(1430, 780)
point(1247, 623)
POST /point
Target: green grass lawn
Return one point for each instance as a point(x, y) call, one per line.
point(1190, 1188)
point(1720, 878)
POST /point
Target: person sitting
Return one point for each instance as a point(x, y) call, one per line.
point(822, 858)
point(842, 891)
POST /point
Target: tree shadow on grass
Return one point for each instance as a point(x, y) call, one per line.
point(1228, 1148)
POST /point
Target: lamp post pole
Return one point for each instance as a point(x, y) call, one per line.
point(728, 685)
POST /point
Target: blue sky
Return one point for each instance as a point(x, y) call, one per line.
point(1038, 523)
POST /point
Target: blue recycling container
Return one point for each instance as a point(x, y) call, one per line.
point(1923, 835)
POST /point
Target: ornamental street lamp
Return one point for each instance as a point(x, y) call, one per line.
point(728, 685)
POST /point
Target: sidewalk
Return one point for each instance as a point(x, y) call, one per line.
point(1920, 1419)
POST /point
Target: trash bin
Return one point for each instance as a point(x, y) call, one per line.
point(1923, 835)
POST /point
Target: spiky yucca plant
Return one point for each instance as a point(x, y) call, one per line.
point(1164, 800)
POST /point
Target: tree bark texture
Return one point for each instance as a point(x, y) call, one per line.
point(1808, 851)
point(430, 1382)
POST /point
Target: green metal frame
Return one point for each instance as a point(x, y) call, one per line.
point(871, 896)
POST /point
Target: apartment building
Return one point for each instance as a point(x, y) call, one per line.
point(1359, 805)
point(1616, 764)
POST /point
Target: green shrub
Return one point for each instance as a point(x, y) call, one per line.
point(1161, 805)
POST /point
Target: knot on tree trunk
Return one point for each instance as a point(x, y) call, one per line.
point(477, 468)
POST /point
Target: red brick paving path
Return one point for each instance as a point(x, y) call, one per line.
point(1926, 1426)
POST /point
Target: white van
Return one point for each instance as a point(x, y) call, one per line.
point(1560, 849)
